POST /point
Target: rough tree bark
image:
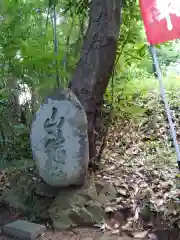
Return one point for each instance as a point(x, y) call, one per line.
point(97, 59)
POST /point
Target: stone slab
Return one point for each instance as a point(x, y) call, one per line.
point(59, 140)
point(24, 230)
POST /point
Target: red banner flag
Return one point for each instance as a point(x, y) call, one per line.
point(161, 19)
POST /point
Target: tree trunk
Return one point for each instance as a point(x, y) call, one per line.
point(96, 63)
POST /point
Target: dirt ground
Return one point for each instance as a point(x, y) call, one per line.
point(77, 234)
point(7, 215)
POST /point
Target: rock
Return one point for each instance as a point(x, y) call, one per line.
point(22, 182)
point(97, 212)
point(14, 200)
point(59, 140)
point(99, 186)
point(44, 190)
point(62, 221)
point(23, 195)
point(24, 230)
point(107, 193)
point(20, 194)
point(81, 216)
point(78, 205)
point(40, 206)
point(59, 211)
point(65, 199)
point(108, 189)
point(37, 207)
point(1, 201)
point(73, 196)
point(89, 192)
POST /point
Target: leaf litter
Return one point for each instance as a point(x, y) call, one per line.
point(140, 162)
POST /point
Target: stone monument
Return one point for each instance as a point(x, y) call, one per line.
point(59, 140)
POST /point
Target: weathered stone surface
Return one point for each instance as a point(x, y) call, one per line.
point(72, 207)
point(26, 195)
point(24, 230)
point(14, 200)
point(21, 187)
point(81, 206)
point(44, 190)
point(59, 140)
point(62, 221)
point(81, 216)
point(106, 194)
point(97, 211)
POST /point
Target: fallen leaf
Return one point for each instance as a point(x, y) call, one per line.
point(115, 231)
point(140, 235)
point(122, 191)
point(152, 236)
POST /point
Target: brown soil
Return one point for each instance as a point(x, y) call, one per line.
point(76, 234)
point(9, 215)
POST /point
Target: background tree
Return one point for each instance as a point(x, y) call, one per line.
point(97, 59)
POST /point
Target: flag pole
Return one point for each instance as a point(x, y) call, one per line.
point(152, 49)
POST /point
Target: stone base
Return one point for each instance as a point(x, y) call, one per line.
point(65, 208)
